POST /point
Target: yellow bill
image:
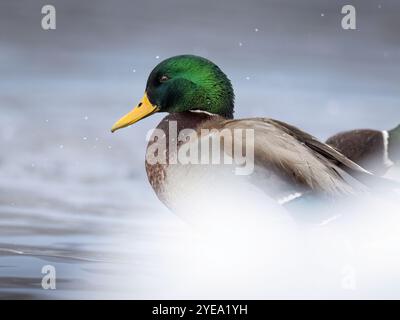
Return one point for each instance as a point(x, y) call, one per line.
point(141, 111)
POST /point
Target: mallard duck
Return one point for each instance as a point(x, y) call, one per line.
point(376, 151)
point(196, 94)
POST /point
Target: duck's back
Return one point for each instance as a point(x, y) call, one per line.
point(365, 147)
point(287, 161)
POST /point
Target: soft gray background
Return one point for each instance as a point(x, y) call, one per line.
point(65, 181)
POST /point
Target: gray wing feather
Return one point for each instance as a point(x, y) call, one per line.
point(299, 157)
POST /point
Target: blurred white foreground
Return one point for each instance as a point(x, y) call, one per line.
point(237, 254)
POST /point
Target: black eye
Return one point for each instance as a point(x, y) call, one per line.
point(164, 78)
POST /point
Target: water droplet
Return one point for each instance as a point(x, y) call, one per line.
point(247, 78)
point(157, 57)
point(84, 138)
point(61, 146)
point(86, 118)
point(255, 29)
point(240, 44)
point(322, 14)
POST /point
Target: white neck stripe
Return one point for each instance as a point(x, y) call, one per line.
point(386, 159)
point(202, 111)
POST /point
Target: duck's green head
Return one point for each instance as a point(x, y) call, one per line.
point(183, 83)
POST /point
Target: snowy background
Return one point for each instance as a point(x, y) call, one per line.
point(66, 182)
